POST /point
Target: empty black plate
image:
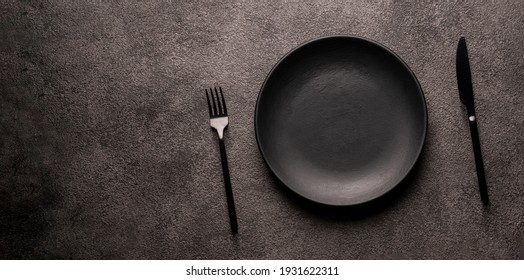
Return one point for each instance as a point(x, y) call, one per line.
point(341, 120)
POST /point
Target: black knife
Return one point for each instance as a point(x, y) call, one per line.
point(466, 97)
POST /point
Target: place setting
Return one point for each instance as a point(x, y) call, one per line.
point(341, 122)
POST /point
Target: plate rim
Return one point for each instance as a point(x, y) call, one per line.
point(387, 50)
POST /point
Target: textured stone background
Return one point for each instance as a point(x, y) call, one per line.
point(106, 150)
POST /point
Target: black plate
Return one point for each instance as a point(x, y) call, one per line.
point(341, 120)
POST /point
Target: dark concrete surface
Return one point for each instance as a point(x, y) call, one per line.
point(106, 150)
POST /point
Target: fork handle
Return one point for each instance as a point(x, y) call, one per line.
point(229, 190)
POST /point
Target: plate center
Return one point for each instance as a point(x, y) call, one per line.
point(341, 121)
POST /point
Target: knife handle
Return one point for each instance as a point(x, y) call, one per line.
point(478, 160)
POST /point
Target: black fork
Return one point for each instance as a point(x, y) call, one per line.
point(219, 121)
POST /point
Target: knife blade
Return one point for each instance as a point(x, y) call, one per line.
point(465, 88)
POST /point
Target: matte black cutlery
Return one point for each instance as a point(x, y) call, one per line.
point(466, 97)
point(219, 121)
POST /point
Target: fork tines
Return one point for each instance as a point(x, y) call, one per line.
point(217, 105)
